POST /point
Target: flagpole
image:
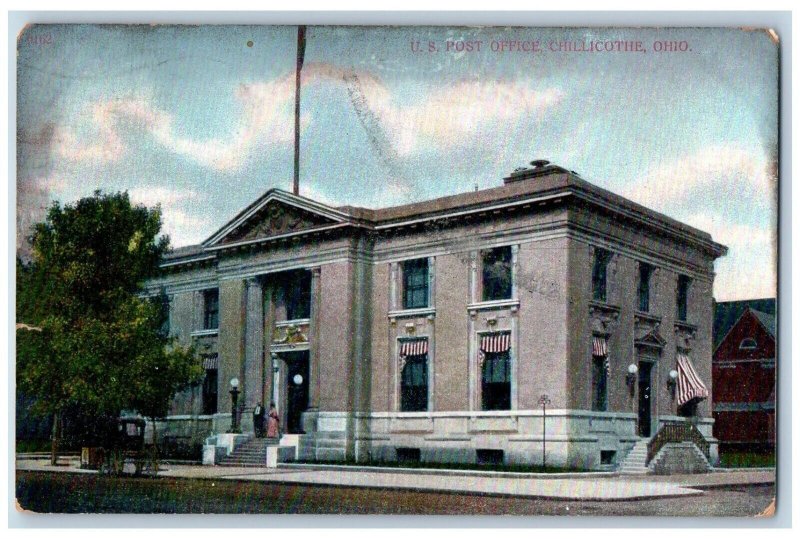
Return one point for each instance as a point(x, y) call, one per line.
point(301, 51)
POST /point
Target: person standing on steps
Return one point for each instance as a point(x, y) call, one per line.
point(273, 422)
point(258, 420)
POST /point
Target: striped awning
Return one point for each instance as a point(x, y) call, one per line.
point(689, 384)
point(496, 342)
point(599, 347)
point(211, 362)
point(413, 347)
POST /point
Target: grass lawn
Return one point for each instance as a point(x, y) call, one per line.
point(746, 459)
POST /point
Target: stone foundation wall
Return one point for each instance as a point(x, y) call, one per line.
point(573, 439)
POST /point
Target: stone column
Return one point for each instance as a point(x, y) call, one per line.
point(313, 337)
point(254, 344)
point(231, 339)
point(268, 329)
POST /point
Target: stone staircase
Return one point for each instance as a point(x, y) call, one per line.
point(252, 453)
point(635, 462)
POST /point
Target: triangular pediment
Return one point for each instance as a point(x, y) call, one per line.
point(652, 338)
point(275, 214)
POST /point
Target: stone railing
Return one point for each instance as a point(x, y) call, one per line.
point(677, 431)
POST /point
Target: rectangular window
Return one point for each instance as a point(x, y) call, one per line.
point(599, 275)
point(599, 384)
point(211, 309)
point(298, 295)
point(210, 392)
point(645, 272)
point(162, 303)
point(408, 455)
point(607, 457)
point(683, 297)
point(496, 381)
point(497, 274)
point(415, 284)
point(489, 457)
point(414, 384)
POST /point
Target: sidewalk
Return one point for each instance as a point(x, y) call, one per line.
point(602, 488)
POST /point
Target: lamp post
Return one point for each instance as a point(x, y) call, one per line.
point(672, 382)
point(631, 378)
point(235, 406)
point(544, 400)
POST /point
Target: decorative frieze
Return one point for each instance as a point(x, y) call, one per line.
point(291, 332)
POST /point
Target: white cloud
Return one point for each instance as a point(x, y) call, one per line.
point(166, 196)
point(262, 113)
point(746, 281)
point(735, 236)
point(446, 117)
point(184, 226)
point(714, 171)
point(749, 269)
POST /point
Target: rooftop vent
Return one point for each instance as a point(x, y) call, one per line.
point(539, 167)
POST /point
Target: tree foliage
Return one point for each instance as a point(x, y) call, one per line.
point(101, 348)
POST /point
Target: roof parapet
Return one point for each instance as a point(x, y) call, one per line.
point(540, 167)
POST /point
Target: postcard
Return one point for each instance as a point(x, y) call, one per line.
point(396, 270)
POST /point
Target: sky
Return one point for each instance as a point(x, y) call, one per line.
point(199, 119)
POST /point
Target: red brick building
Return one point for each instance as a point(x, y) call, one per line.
point(743, 371)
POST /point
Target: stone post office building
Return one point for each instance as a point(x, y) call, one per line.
point(431, 331)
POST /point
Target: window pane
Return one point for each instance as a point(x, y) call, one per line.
point(599, 274)
point(683, 297)
point(414, 384)
point(644, 287)
point(599, 384)
point(298, 295)
point(497, 274)
point(211, 309)
point(415, 284)
point(210, 392)
point(496, 381)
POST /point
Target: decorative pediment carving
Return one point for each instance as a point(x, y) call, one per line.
point(206, 344)
point(684, 335)
point(603, 318)
point(645, 325)
point(274, 219)
point(651, 339)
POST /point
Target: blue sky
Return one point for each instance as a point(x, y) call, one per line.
point(195, 119)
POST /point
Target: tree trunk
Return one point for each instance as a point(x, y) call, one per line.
point(155, 447)
point(54, 438)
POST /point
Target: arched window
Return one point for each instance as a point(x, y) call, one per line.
point(748, 344)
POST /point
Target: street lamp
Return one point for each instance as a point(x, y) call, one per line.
point(544, 400)
point(631, 377)
point(235, 405)
point(672, 382)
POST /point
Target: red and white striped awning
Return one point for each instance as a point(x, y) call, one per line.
point(689, 384)
point(211, 362)
point(599, 346)
point(414, 347)
point(496, 342)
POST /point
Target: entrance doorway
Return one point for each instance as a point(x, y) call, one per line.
point(294, 393)
point(645, 398)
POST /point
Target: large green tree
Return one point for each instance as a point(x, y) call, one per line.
point(101, 348)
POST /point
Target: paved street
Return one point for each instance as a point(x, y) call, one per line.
point(198, 489)
point(45, 492)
